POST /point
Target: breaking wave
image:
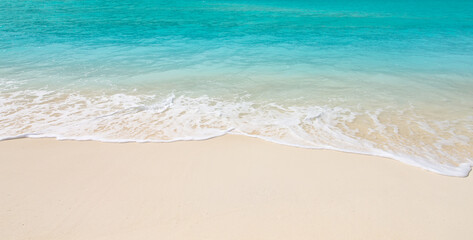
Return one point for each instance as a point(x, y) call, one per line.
point(441, 146)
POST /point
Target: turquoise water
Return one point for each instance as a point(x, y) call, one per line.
point(389, 79)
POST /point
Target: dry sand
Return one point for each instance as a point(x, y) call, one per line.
point(232, 187)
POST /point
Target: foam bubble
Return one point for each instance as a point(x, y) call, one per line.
point(441, 146)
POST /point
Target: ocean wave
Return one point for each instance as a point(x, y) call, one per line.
point(439, 146)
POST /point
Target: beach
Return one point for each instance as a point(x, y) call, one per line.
point(236, 119)
point(230, 187)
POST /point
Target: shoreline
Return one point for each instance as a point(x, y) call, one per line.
point(229, 187)
point(462, 170)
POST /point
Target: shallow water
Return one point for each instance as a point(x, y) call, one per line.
point(389, 79)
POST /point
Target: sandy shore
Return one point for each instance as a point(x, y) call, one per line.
point(231, 187)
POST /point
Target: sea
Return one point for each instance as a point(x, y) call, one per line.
point(377, 77)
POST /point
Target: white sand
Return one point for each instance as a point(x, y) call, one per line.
point(231, 187)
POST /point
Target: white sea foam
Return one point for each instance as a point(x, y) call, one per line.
point(440, 146)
